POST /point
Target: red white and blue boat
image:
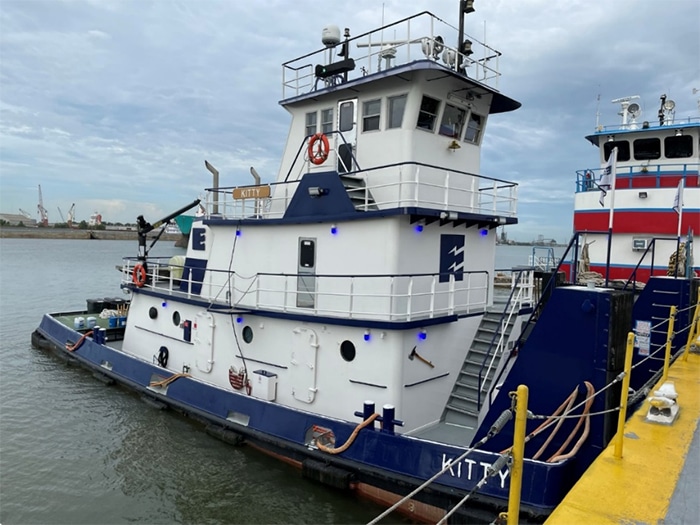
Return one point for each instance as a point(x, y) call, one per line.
point(655, 200)
point(344, 318)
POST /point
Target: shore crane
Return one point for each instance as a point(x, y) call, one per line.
point(43, 214)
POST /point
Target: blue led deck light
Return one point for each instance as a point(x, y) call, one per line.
point(367, 336)
point(239, 319)
point(418, 228)
point(422, 335)
point(484, 232)
point(238, 233)
point(334, 230)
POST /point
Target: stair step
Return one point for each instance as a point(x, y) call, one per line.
point(462, 410)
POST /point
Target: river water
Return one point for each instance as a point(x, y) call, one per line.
point(75, 451)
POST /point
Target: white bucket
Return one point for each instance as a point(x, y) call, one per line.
point(79, 323)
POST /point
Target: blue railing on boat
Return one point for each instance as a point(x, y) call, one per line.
point(642, 176)
point(636, 126)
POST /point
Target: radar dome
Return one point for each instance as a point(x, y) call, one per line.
point(330, 36)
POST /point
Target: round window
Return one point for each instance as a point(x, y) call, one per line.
point(347, 350)
point(247, 334)
point(176, 318)
point(153, 312)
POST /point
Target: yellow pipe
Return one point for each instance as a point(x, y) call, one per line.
point(692, 330)
point(516, 470)
point(669, 338)
point(623, 396)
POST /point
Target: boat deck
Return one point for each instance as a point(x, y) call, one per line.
point(658, 478)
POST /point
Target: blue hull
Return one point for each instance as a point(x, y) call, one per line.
point(388, 461)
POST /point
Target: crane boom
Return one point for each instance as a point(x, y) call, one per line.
point(61, 214)
point(43, 214)
point(71, 215)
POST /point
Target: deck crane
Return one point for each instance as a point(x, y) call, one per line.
point(26, 214)
point(43, 214)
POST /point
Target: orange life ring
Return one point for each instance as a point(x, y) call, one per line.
point(138, 276)
point(318, 155)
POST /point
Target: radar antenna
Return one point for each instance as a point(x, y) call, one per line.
point(627, 109)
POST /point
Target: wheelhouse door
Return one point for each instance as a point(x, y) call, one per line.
point(347, 138)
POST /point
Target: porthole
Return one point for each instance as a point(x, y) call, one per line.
point(176, 318)
point(153, 312)
point(347, 350)
point(247, 334)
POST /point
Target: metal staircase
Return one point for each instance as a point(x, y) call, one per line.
point(462, 406)
point(359, 195)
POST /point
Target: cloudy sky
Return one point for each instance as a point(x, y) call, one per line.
point(114, 104)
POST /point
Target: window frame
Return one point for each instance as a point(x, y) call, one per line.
point(455, 134)
point(389, 113)
point(370, 118)
point(478, 131)
point(308, 125)
point(646, 153)
point(327, 125)
point(434, 116)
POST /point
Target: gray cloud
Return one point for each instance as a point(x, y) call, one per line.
point(115, 105)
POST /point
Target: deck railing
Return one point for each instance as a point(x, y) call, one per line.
point(642, 176)
point(393, 298)
point(419, 37)
point(406, 184)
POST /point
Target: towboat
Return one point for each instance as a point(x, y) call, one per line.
point(645, 214)
point(344, 318)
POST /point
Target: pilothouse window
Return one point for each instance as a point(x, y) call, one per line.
point(678, 147)
point(311, 123)
point(623, 150)
point(370, 115)
point(452, 121)
point(327, 120)
point(428, 113)
point(474, 126)
point(647, 149)
point(397, 105)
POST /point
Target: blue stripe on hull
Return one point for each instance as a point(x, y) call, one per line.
point(374, 456)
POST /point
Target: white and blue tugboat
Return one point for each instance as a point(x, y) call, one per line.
point(344, 318)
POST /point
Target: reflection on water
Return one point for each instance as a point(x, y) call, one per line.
point(73, 450)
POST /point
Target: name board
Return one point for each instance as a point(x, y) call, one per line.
point(251, 192)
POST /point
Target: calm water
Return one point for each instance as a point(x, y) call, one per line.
point(75, 451)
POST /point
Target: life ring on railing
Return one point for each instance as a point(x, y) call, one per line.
point(588, 180)
point(138, 275)
point(163, 355)
point(318, 155)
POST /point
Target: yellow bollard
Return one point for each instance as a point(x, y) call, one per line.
point(518, 452)
point(669, 338)
point(623, 396)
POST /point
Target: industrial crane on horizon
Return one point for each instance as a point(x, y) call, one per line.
point(43, 214)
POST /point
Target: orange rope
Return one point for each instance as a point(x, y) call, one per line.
point(167, 381)
point(351, 439)
point(569, 404)
point(547, 421)
point(74, 347)
point(585, 416)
